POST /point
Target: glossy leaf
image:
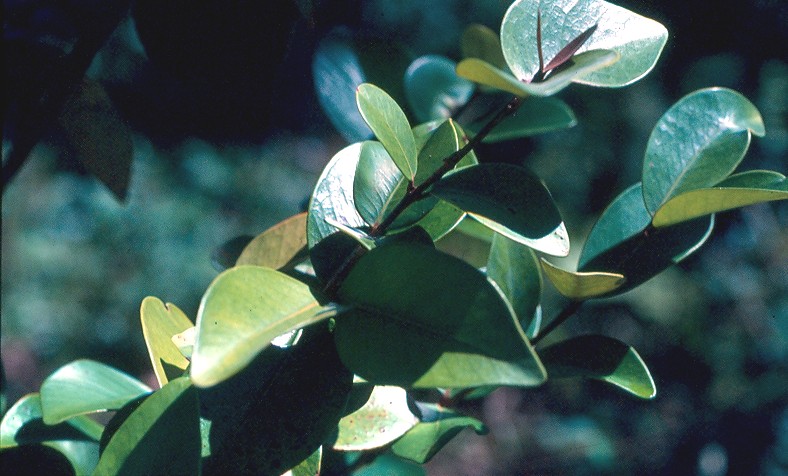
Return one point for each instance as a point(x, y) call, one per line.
point(97, 133)
point(359, 236)
point(23, 424)
point(638, 40)
point(337, 72)
point(390, 125)
point(376, 180)
point(736, 191)
point(535, 116)
point(479, 41)
point(384, 418)
point(86, 386)
point(281, 245)
point(433, 89)
point(242, 311)
point(515, 269)
point(622, 242)
point(603, 358)
point(510, 200)
point(581, 286)
point(581, 66)
point(160, 322)
point(438, 427)
point(308, 467)
point(697, 143)
point(456, 331)
point(162, 436)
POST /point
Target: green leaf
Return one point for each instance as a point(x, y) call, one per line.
point(23, 424)
point(384, 418)
point(279, 410)
point(359, 236)
point(622, 241)
point(739, 190)
point(510, 200)
point(581, 66)
point(603, 358)
point(376, 181)
point(438, 427)
point(308, 467)
point(479, 41)
point(160, 322)
point(162, 436)
point(535, 116)
point(86, 386)
point(697, 143)
point(456, 331)
point(581, 286)
point(279, 246)
point(515, 270)
point(242, 311)
point(390, 465)
point(638, 40)
point(390, 125)
point(97, 133)
point(433, 89)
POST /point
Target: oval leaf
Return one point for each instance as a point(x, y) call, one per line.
point(515, 270)
point(279, 246)
point(23, 424)
point(376, 180)
point(160, 322)
point(746, 188)
point(535, 116)
point(638, 40)
point(86, 386)
point(697, 143)
point(509, 199)
point(581, 286)
point(603, 358)
point(433, 89)
point(456, 331)
point(384, 418)
point(390, 125)
point(242, 311)
point(162, 436)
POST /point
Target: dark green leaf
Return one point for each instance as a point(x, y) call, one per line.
point(376, 180)
point(225, 255)
point(581, 286)
point(515, 269)
point(390, 465)
point(603, 358)
point(86, 386)
point(384, 418)
point(160, 322)
point(637, 39)
point(433, 89)
point(697, 143)
point(479, 41)
point(279, 246)
point(509, 199)
point(162, 436)
point(23, 424)
point(332, 252)
point(456, 331)
point(535, 116)
point(308, 467)
point(242, 311)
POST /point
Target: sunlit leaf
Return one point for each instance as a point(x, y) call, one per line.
point(602, 358)
point(638, 40)
point(479, 41)
point(515, 269)
point(381, 420)
point(160, 322)
point(308, 467)
point(23, 424)
point(456, 331)
point(86, 386)
point(242, 311)
point(510, 200)
point(376, 180)
point(279, 246)
point(697, 143)
point(162, 436)
point(739, 190)
point(391, 127)
point(580, 286)
point(433, 89)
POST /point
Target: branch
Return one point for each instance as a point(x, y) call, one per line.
point(565, 314)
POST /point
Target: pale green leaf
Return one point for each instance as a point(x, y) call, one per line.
point(381, 420)
point(579, 285)
point(160, 322)
point(278, 246)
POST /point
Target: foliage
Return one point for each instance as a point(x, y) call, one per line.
point(347, 328)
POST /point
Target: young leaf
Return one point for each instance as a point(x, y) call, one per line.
point(433, 89)
point(739, 190)
point(535, 116)
point(161, 436)
point(456, 331)
point(437, 428)
point(479, 41)
point(638, 40)
point(384, 418)
point(581, 286)
point(160, 322)
point(242, 311)
point(515, 270)
point(390, 125)
point(279, 246)
point(697, 143)
point(603, 358)
point(86, 386)
point(509, 199)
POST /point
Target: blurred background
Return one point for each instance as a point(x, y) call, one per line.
point(227, 137)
